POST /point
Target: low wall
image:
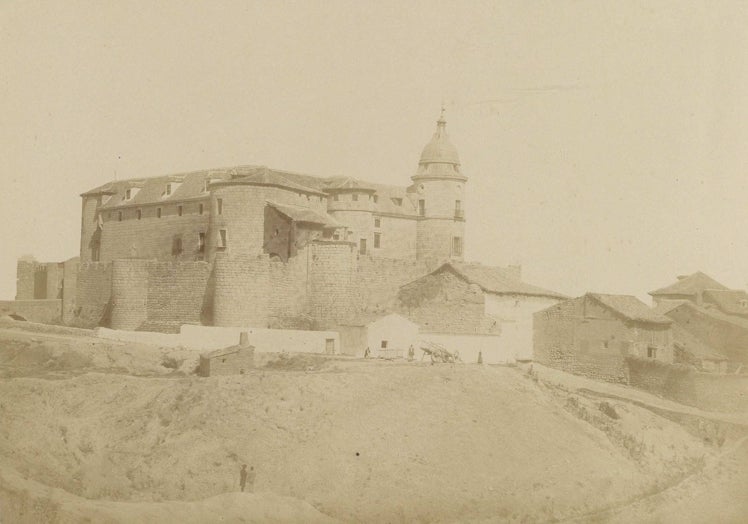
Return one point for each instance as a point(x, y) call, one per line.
point(708, 391)
point(491, 347)
point(44, 311)
point(204, 338)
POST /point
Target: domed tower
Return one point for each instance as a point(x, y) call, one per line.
point(440, 186)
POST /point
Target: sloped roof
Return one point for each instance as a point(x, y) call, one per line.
point(687, 342)
point(666, 306)
point(498, 280)
point(630, 308)
point(729, 301)
point(689, 285)
point(305, 214)
point(346, 183)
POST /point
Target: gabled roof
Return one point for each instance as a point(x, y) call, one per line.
point(497, 280)
point(730, 301)
point(347, 183)
point(305, 214)
point(630, 307)
point(684, 340)
point(689, 285)
point(666, 306)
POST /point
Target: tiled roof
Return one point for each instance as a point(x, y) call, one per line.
point(498, 280)
point(346, 183)
point(687, 342)
point(666, 306)
point(689, 285)
point(630, 308)
point(728, 300)
point(305, 214)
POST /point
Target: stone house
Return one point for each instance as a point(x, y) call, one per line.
point(592, 335)
point(711, 313)
point(474, 308)
point(386, 336)
point(233, 360)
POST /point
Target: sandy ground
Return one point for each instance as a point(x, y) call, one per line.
point(104, 431)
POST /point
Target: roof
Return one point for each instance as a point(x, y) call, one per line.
point(684, 340)
point(689, 285)
point(631, 308)
point(305, 214)
point(666, 306)
point(730, 301)
point(347, 183)
point(440, 149)
point(497, 280)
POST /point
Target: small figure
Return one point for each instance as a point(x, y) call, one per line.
point(411, 353)
point(243, 476)
point(367, 353)
point(480, 357)
point(251, 479)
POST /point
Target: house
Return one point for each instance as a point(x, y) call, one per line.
point(233, 360)
point(592, 335)
point(475, 309)
point(386, 336)
point(687, 287)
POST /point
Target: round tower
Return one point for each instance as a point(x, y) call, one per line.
point(440, 186)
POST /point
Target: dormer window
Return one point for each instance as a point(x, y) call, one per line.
point(128, 194)
point(168, 189)
point(376, 198)
point(397, 201)
point(206, 183)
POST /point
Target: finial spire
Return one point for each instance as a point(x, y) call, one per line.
point(442, 121)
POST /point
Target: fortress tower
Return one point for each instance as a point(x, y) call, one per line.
point(440, 187)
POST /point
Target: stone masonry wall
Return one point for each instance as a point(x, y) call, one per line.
point(93, 295)
point(129, 293)
point(44, 311)
point(176, 295)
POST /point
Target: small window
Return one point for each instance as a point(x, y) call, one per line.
point(128, 194)
point(362, 246)
point(179, 210)
point(201, 242)
point(222, 239)
point(119, 216)
point(457, 246)
point(384, 344)
point(336, 197)
point(651, 352)
point(219, 206)
point(139, 214)
point(168, 189)
point(377, 222)
point(422, 207)
point(354, 197)
point(336, 236)
point(158, 212)
point(205, 185)
point(377, 239)
point(201, 208)
point(376, 198)
point(176, 248)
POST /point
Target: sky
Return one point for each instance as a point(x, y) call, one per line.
point(605, 142)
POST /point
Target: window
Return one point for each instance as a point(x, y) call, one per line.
point(354, 197)
point(139, 214)
point(377, 222)
point(384, 344)
point(336, 236)
point(422, 207)
point(457, 246)
point(219, 206)
point(458, 209)
point(362, 246)
point(179, 210)
point(119, 216)
point(201, 242)
point(376, 198)
point(377, 239)
point(158, 212)
point(201, 208)
point(222, 239)
point(128, 194)
point(205, 185)
point(651, 352)
point(176, 247)
point(336, 197)
point(168, 189)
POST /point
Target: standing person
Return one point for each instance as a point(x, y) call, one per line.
point(411, 353)
point(366, 353)
point(251, 480)
point(243, 477)
point(480, 357)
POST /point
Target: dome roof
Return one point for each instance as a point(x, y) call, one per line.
point(440, 149)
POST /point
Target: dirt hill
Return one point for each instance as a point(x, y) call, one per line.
point(359, 441)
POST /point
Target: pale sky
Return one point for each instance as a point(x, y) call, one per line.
point(605, 142)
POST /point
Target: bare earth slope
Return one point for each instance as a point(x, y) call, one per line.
point(359, 441)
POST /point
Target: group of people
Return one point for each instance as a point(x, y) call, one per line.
point(247, 478)
point(411, 353)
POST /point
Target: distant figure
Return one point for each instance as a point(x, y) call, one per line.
point(480, 357)
point(411, 353)
point(251, 479)
point(367, 353)
point(243, 476)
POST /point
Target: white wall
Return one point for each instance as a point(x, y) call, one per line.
point(399, 332)
point(204, 338)
point(516, 313)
